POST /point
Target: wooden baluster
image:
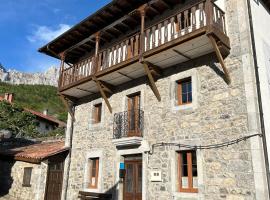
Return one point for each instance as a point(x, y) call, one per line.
point(104, 59)
point(136, 48)
point(107, 58)
point(201, 14)
point(132, 47)
point(193, 17)
point(186, 21)
point(147, 40)
point(165, 31)
point(172, 32)
point(179, 24)
point(93, 65)
point(113, 56)
point(153, 37)
point(117, 54)
point(209, 13)
point(224, 24)
point(122, 53)
point(127, 51)
point(159, 34)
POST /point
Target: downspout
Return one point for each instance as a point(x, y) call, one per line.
point(259, 98)
point(68, 143)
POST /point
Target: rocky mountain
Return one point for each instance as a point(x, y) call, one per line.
point(48, 77)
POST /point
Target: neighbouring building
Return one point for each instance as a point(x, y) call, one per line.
point(30, 171)
point(45, 122)
point(167, 100)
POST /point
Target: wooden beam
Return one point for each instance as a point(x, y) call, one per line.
point(107, 86)
point(220, 58)
point(152, 81)
point(85, 90)
point(153, 68)
point(181, 54)
point(67, 106)
point(125, 75)
point(102, 92)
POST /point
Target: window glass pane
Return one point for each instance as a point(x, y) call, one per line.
point(184, 98)
point(27, 176)
point(184, 88)
point(189, 87)
point(189, 97)
point(139, 186)
point(184, 158)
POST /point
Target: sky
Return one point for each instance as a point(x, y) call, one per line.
point(26, 25)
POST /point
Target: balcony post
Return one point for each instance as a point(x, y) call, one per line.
point(96, 51)
point(209, 13)
point(61, 69)
point(142, 9)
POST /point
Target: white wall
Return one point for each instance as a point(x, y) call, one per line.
point(261, 19)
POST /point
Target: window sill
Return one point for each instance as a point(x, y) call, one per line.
point(26, 185)
point(188, 106)
point(194, 195)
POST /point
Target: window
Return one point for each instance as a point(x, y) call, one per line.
point(93, 172)
point(187, 171)
point(97, 113)
point(27, 176)
point(184, 91)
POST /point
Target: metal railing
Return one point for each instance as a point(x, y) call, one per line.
point(128, 123)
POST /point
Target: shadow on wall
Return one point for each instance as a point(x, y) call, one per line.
point(7, 162)
point(6, 179)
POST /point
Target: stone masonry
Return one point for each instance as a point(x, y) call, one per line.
point(221, 113)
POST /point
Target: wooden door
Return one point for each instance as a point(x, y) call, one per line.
point(54, 181)
point(133, 115)
point(133, 180)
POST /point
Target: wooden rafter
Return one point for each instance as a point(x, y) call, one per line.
point(68, 106)
point(181, 54)
point(100, 87)
point(220, 58)
point(147, 66)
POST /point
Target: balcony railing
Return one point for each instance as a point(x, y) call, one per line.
point(187, 20)
point(128, 124)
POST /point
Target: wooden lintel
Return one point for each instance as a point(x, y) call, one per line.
point(155, 70)
point(102, 92)
point(151, 80)
point(220, 58)
point(67, 106)
point(181, 54)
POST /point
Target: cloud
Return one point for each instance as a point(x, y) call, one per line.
point(44, 34)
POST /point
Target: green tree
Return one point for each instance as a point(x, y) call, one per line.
point(18, 121)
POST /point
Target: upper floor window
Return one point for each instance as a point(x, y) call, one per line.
point(97, 113)
point(187, 172)
point(184, 91)
point(27, 176)
point(93, 172)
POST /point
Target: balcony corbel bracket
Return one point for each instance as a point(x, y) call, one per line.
point(100, 86)
point(147, 66)
point(68, 105)
point(220, 58)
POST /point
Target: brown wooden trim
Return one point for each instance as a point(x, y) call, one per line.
point(179, 91)
point(151, 80)
point(103, 94)
point(220, 58)
point(96, 160)
point(190, 188)
point(67, 106)
point(97, 113)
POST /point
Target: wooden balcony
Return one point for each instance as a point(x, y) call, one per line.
point(190, 32)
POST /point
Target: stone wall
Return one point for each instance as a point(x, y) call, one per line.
point(221, 113)
point(11, 179)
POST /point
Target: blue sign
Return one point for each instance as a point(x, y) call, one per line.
point(122, 165)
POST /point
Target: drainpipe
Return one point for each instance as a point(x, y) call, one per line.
point(68, 143)
point(259, 97)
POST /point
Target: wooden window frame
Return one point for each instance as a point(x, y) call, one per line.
point(27, 174)
point(95, 186)
point(190, 188)
point(179, 91)
point(97, 113)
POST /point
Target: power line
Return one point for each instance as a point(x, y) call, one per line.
point(201, 147)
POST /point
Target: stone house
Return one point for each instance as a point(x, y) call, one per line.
point(30, 171)
point(166, 100)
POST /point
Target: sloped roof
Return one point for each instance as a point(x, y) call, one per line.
point(46, 117)
point(34, 153)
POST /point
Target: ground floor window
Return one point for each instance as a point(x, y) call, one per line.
point(187, 171)
point(27, 176)
point(93, 172)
